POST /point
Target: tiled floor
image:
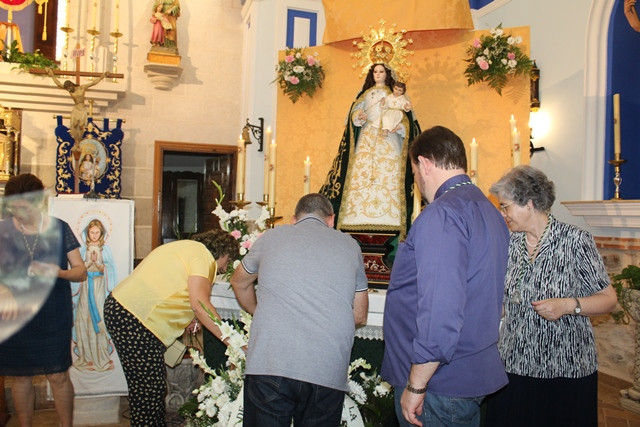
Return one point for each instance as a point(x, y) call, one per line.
point(610, 414)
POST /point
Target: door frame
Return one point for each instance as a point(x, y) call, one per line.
point(158, 169)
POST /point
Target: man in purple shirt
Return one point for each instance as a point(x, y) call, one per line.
point(444, 300)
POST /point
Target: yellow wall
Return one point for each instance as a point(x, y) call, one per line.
point(440, 96)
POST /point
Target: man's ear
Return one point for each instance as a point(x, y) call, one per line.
point(330, 220)
point(424, 165)
point(293, 219)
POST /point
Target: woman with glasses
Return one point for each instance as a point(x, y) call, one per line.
point(37, 250)
point(555, 280)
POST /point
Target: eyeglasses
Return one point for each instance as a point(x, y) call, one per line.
point(503, 208)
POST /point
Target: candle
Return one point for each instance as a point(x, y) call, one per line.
point(307, 176)
point(66, 14)
point(417, 201)
point(616, 124)
point(515, 143)
point(95, 14)
point(267, 136)
point(240, 166)
point(117, 16)
point(512, 124)
point(265, 181)
point(474, 161)
point(272, 174)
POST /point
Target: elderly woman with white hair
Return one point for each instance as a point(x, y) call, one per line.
point(555, 279)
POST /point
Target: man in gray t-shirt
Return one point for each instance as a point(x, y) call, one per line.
point(311, 295)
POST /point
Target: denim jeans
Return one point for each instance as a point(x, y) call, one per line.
point(271, 401)
point(443, 411)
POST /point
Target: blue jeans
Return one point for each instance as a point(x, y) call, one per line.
point(271, 401)
point(443, 411)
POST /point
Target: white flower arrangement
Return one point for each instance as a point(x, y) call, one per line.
point(299, 73)
point(218, 402)
point(372, 394)
point(238, 224)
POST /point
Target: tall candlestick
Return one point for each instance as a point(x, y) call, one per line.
point(307, 176)
point(267, 135)
point(474, 161)
point(265, 183)
point(240, 167)
point(272, 174)
point(616, 123)
point(117, 16)
point(515, 144)
point(95, 14)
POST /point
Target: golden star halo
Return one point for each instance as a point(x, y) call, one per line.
point(384, 46)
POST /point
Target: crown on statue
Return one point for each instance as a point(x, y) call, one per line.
point(384, 46)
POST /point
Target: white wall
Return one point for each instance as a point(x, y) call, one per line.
point(559, 45)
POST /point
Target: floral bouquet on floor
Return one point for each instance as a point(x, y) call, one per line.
point(218, 402)
point(238, 224)
point(494, 57)
point(299, 73)
point(373, 396)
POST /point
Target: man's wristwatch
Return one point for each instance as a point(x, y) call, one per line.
point(416, 390)
point(578, 309)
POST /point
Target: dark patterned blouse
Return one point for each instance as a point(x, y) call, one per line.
point(568, 265)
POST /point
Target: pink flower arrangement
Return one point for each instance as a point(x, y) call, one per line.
point(236, 234)
point(299, 73)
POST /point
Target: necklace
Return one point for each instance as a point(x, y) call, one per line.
point(31, 249)
point(453, 187)
point(516, 296)
point(527, 242)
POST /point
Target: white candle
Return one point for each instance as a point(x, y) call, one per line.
point(515, 143)
point(265, 183)
point(512, 124)
point(417, 201)
point(307, 176)
point(66, 15)
point(95, 14)
point(117, 16)
point(474, 161)
point(240, 166)
point(616, 123)
point(272, 174)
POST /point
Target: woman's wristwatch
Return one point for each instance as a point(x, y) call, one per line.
point(578, 309)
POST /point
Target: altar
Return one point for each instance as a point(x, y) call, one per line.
point(368, 343)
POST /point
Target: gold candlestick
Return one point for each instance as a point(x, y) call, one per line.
point(65, 48)
point(92, 47)
point(116, 35)
point(265, 200)
point(240, 203)
point(617, 179)
point(271, 221)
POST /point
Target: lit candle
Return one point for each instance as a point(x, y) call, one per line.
point(240, 166)
point(272, 174)
point(66, 15)
point(515, 143)
point(417, 201)
point(117, 16)
point(512, 124)
point(307, 176)
point(95, 13)
point(474, 161)
point(268, 135)
point(616, 124)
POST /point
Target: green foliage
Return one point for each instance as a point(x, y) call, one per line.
point(629, 278)
point(26, 59)
point(492, 58)
point(299, 73)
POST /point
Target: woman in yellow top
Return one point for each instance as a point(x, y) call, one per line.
point(148, 310)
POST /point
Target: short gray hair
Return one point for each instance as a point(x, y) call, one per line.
point(314, 203)
point(524, 183)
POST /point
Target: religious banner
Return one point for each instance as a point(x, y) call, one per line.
point(347, 20)
point(96, 165)
point(104, 229)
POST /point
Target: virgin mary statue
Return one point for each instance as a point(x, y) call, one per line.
point(370, 181)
